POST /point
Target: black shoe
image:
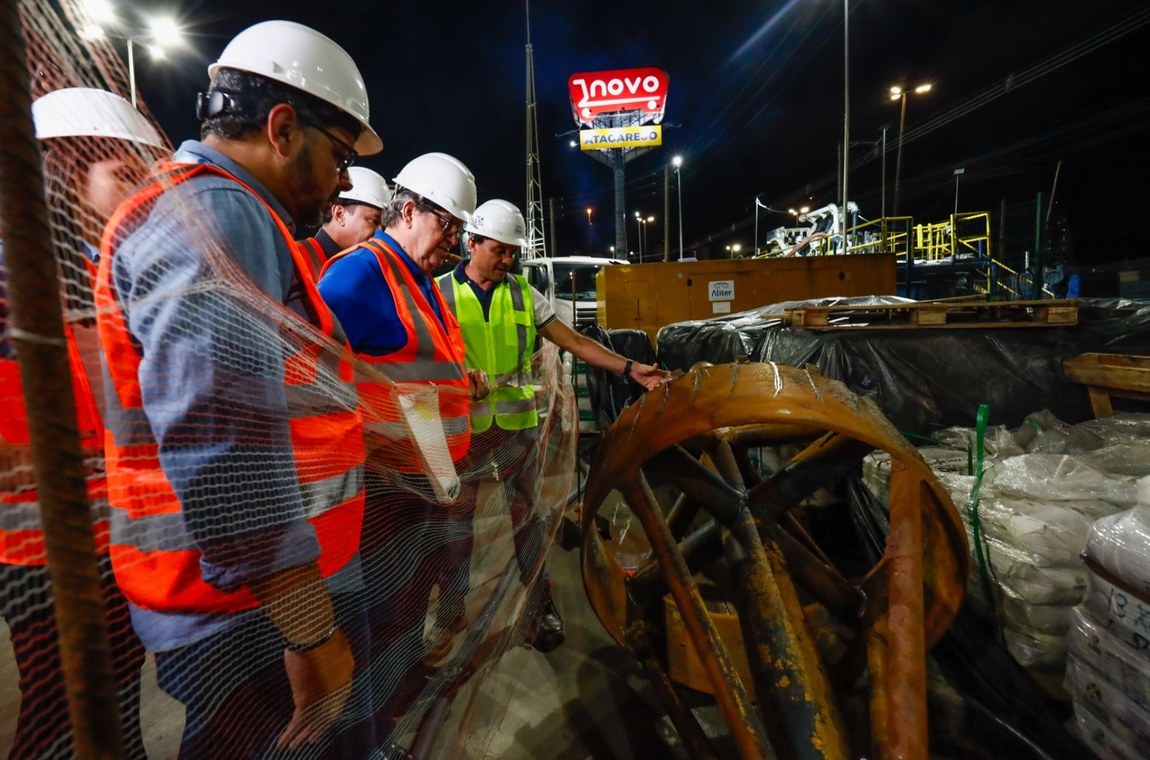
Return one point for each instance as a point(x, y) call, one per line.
point(550, 633)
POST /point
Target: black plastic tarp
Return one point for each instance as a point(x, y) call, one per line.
point(608, 392)
point(923, 379)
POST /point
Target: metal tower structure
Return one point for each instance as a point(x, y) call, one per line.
point(536, 241)
point(616, 159)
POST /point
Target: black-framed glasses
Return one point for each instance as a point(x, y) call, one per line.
point(350, 154)
point(451, 225)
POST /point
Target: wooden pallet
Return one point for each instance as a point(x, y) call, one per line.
point(1110, 375)
point(936, 314)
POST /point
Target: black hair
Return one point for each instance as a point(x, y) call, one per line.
point(238, 102)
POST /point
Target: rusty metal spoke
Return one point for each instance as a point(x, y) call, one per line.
point(818, 466)
point(730, 693)
point(720, 499)
point(822, 581)
point(773, 590)
point(682, 514)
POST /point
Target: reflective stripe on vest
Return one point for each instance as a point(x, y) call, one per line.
point(156, 561)
point(21, 531)
point(316, 257)
point(501, 346)
point(431, 354)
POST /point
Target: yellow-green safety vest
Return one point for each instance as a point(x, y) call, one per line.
point(500, 346)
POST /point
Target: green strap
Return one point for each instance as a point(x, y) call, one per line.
point(913, 437)
point(981, 551)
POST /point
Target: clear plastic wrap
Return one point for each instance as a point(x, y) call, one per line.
point(1131, 458)
point(1032, 649)
point(997, 440)
point(1120, 427)
point(1092, 693)
point(944, 461)
point(1059, 477)
point(1120, 544)
point(1049, 619)
point(1097, 644)
point(1124, 615)
point(1043, 433)
point(1052, 533)
point(1033, 583)
point(1100, 739)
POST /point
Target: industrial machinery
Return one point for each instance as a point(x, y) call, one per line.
point(699, 562)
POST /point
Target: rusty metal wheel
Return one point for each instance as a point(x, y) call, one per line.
point(714, 533)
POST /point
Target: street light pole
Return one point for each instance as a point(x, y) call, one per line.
point(132, 70)
point(897, 93)
point(883, 183)
point(756, 254)
point(639, 235)
point(846, 117)
point(161, 34)
point(678, 162)
point(666, 212)
point(957, 173)
point(898, 153)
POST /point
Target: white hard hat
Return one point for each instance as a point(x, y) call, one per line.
point(443, 180)
point(499, 220)
point(300, 56)
point(86, 112)
point(367, 187)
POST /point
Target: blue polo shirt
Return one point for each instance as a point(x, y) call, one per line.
point(357, 293)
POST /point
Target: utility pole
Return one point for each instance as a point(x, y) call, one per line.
point(536, 242)
point(957, 173)
point(551, 216)
point(846, 113)
point(666, 212)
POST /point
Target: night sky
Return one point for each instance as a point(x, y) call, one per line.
point(755, 103)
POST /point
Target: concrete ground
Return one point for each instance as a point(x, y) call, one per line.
point(586, 699)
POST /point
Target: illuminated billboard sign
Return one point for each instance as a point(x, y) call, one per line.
point(643, 90)
point(620, 137)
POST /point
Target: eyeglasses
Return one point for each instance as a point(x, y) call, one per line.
point(451, 225)
point(349, 152)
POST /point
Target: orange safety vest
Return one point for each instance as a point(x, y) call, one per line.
point(156, 561)
point(21, 531)
point(431, 354)
point(316, 257)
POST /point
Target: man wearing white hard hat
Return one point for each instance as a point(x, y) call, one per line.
point(500, 315)
point(353, 218)
point(396, 320)
point(234, 443)
point(96, 148)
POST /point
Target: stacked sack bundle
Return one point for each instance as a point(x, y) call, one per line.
point(1043, 487)
point(1108, 665)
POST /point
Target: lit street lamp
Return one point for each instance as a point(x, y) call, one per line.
point(957, 173)
point(588, 216)
point(677, 162)
point(898, 93)
point(162, 34)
